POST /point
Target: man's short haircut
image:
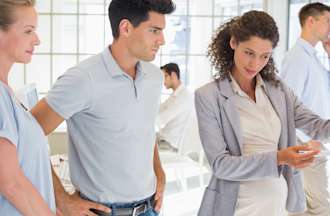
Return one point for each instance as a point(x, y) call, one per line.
point(312, 9)
point(136, 11)
point(171, 68)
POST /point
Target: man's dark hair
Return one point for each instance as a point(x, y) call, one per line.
point(171, 68)
point(136, 11)
point(312, 9)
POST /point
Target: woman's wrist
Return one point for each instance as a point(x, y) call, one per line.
point(280, 160)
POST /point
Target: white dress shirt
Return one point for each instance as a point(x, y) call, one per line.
point(304, 73)
point(174, 114)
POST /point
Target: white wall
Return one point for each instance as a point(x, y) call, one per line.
point(279, 11)
point(58, 142)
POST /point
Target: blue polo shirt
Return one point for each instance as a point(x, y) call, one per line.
point(110, 120)
point(23, 131)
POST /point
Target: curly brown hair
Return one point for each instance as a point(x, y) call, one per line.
point(252, 23)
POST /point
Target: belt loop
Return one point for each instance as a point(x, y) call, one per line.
point(113, 210)
point(152, 201)
point(149, 202)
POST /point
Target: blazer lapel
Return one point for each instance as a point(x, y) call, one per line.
point(277, 98)
point(230, 110)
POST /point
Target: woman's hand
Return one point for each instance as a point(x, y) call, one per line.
point(298, 156)
point(326, 46)
point(315, 145)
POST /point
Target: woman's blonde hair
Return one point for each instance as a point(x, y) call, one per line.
point(7, 8)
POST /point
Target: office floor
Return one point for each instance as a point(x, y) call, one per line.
point(183, 203)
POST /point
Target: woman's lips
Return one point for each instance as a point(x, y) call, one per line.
point(251, 71)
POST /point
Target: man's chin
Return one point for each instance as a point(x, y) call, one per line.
point(148, 58)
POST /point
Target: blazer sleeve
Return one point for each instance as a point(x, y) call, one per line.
point(224, 164)
point(306, 120)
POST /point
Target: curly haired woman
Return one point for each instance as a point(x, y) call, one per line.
point(247, 119)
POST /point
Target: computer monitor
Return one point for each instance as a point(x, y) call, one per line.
point(27, 95)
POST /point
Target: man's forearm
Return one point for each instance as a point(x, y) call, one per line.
point(158, 169)
point(60, 193)
point(161, 180)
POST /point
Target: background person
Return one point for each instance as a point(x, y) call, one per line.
point(175, 112)
point(304, 73)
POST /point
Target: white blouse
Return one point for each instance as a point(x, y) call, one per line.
point(261, 129)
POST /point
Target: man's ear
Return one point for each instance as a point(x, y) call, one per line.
point(233, 43)
point(311, 20)
point(125, 27)
point(174, 76)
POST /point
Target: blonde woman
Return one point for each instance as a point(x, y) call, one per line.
point(25, 178)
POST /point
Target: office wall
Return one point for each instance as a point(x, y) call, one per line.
point(58, 143)
point(279, 10)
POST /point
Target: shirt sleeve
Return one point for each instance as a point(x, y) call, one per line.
point(71, 93)
point(8, 125)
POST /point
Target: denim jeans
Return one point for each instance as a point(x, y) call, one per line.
point(149, 212)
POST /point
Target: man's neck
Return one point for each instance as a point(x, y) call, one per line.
point(176, 85)
point(125, 61)
point(309, 37)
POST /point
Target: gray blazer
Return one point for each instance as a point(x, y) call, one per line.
point(219, 129)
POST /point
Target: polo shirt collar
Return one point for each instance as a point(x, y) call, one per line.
point(114, 69)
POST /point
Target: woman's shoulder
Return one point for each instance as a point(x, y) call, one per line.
point(277, 83)
point(208, 89)
point(7, 109)
point(281, 84)
point(5, 93)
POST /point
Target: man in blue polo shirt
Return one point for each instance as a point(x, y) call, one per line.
point(304, 73)
point(110, 102)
